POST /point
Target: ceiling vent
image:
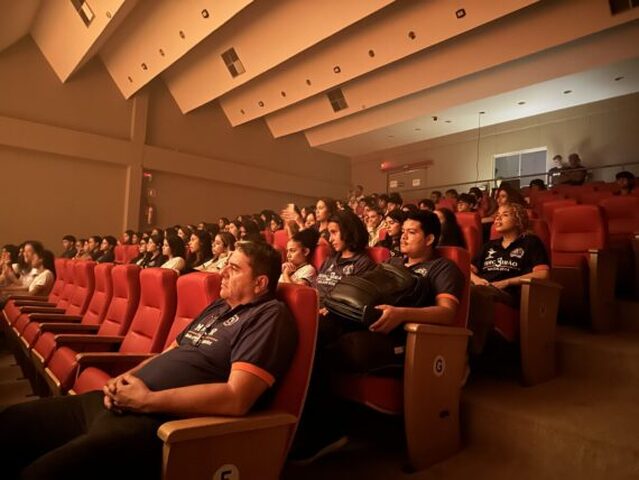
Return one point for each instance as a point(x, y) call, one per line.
point(336, 97)
point(84, 10)
point(233, 62)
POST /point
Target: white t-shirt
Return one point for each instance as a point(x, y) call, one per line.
point(305, 272)
point(42, 282)
point(175, 263)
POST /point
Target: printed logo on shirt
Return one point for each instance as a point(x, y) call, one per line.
point(517, 253)
point(348, 269)
point(231, 321)
point(421, 271)
point(491, 252)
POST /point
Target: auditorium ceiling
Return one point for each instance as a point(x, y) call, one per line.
point(353, 76)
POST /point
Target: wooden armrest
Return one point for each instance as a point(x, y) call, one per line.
point(29, 310)
point(30, 307)
point(426, 328)
point(202, 427)
point(111, 357)
point(63, 327)
point(537, 281)
point(88, 339)
point(27, 299)
point(55, 317)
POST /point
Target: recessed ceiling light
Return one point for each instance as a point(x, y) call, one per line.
point(448, 121)
point(521, 103)
point(391, 136)
point(618, 78)
point(482, 112)
point(566, 92)
point(417, 129)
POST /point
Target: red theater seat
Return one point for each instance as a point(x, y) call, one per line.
point(147, 332)
point(321, 253)
point(378, 254)
point(470, 224)
point(60, 370)
point(583, 266)
point(44, 345)
point(594, 197)
point(429, 393)
point(548, 208)
point(280, 239)
point(196, 448)
point(120, 254)
point(131, 252)
point(540, 228)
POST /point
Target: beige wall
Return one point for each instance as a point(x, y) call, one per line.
point(603, 133)
point(72, 156)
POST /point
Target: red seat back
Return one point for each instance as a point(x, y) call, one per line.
point(124, 300)
point(84, 285)
point(378, 254)
point(131, 251)
point(539, 197)
point(268, 235)
point(120, 254)
point(60, 279)
point(540, 228)
point(156, 310)
point(473, 240)
point(548, 208)
point(594, 197)
point(303, 303)
point(576, 230)
point(382, 234)
point(321, 253)
point(610, 187)
point(69, 284)
point(469, 219)
point(461, 258)
point(622, 213)
point(447, 203)
point(195, 292)
point(280, 239)
point(102, 294)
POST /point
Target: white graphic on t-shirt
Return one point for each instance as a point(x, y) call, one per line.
point(348, 270)
point(517, 253)
point(421, 271)
point(231, 321)
point(491, 252)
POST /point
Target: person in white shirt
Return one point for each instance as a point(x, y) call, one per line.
point(40, 278)
point(374, 223)
point(173, 249)
point(299, 252)
point(223, 245)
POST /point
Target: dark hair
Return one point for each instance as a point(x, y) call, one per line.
point(96, 238)
point(376, 209)
point(436, 192)
point(383, 197)
point(227, 239)
point(395, 198)
point(225, 221)
point(212, 228)
point(410, 207)
point(264, 260)
point(176, 245)
point(466, 198)
point(69, 238)
point(48, 261)
point(397, 215)
point(13, 251)
point(450, 233)
point(514, 195)
point(538, 182)
point(428, 203)
point(111, 240)
point(428, 222)
point(205, 253)
point(36, 245)
point(308, 238)
point(278, 220)
point(352, 230)
point(628, 176)
point(252, 231)
point(453, 192)
point(157, 239)
point(130, 234)
point(477, 192)
point(331, 205)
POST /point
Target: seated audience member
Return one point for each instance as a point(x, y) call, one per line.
point(222, 247)
point(325, 208)
point(576, 173)
point(107, 247)
point(214, 367)
point(465, 203)
point(309, 220)
point(212, 228)
point(410, 208)
point(426, 204)
point(200, 250)
point(435, 196)
point(506, 193)
point(276, 223)
point(352, 347)
point(201, 226)
point(9, 264)
point(68, 247)
point(626, 182)
point(394, 202)
point(21, 280)
point(174, 251)
point(92, 246)
point(234, 228)
point(40, 278)
point(537, 185)
point(299, 252)
point(451, 234)
point(382, 202)
point(135, 238)
point(349, 238)
point(374, 223)
point(502, 263)
point(154, 258)
point(249, 231)
point(393, 223)
point(556, 172)
point(184, 233)
point(81, 253)
point(222, 223)
point(451, 194)
point(142, 257)
point(127, 237)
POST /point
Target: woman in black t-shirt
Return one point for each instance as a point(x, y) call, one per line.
point(394, 220)
point(497, 271)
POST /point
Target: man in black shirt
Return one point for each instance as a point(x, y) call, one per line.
point(68, 243)
point(107, 249)
point(221, 364)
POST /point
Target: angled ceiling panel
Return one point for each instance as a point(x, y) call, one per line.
point(159, 32)
point(70, 32)
point(383, 38)
point(461, 56)
point(16, 20)
point(266, 34)
point(453, 107)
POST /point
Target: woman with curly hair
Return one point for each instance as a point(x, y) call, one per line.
point(497, 272)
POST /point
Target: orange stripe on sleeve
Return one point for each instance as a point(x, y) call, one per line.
point(448, 296)
point(538, 268)
point(257, 371)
